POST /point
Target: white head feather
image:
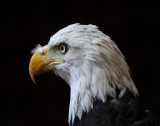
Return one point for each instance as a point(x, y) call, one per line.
point(94, 67)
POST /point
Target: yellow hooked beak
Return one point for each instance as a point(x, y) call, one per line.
point(39, 63)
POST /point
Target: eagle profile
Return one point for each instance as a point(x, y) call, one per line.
point(102, 90)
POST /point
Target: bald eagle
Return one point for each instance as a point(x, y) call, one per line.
point(102, 90)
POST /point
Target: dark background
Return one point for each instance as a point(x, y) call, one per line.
point(132, 24)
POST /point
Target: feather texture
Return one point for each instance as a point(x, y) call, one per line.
point(94, 67)
point(124, 111)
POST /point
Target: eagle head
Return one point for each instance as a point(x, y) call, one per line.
point(90, 63)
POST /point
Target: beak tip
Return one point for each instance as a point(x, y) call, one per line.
point(34, 81)
point(32, 77)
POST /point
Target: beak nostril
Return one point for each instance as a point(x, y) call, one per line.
point(43, 53)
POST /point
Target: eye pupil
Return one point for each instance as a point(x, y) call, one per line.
point(62, 48)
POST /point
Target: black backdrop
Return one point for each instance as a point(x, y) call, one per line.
point(132, 24)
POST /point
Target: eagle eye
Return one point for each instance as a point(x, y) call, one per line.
point(62, 48)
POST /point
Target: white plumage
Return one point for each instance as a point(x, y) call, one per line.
point(94, 67)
